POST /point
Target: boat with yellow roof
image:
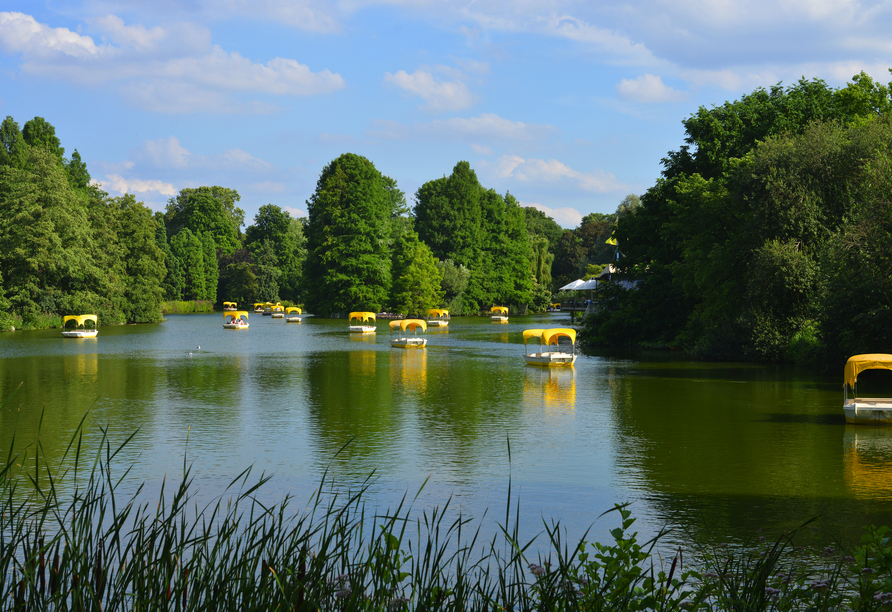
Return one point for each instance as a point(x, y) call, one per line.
point(292, 314)
point(258, 307)
point(237, 319)
point(365, 322)
point(499, 314)
point(437, 317)
point(562, 355)
point(402, 339)
point(230, 306)
point(873, 410)
point(80, 329)
point(278, 311)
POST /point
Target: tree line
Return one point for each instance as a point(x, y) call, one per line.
point(68, 247)
point(767, 235)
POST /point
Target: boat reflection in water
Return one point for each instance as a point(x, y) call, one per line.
point(362, 363)
point(408, 370)
point(552, 388)
point(868, 462)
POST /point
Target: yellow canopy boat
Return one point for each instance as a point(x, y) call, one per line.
point(278, 311)
point(402, 339)
point(236, 319)
point(499, 314)
point(258, 307)
point(365, 322)
point(230, 305)
point(80, 329)
point(292, 314)
point(437, 317)
point(547, 338)
point(866, 410)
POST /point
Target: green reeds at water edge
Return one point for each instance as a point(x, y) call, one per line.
point(92, 548)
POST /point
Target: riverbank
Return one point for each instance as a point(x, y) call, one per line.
point(187, 307)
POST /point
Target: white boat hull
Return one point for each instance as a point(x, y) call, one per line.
point(83, 333)
point(550, 359)
point(437, 323)
point(408, 342)
point(363, 329)
point(234, 326)
point(278, 315)
point(499, 319)
point(292, 319)
point(873, 411)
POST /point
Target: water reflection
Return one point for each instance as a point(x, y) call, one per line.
point(555, 388)
point(868, 462)
point(408, 370)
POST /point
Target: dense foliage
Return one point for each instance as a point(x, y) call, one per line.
point(67, 247)
point(767, 237)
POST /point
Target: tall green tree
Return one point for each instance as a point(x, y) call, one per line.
point(189, 250)
point(144, 261)
point(207, 210)
point(39, 133)
point(287, 237)
point(211, 271)
point(12, 144)
point(45, 240)
point(268, 273)
point(238, 280)
point(416, 278)
point(348, 259)
point(507, 278)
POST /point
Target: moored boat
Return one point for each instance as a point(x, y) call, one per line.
point(278, 311)
point(230, 306)
point(80, 329)
point(499, 314)
point(437, 317)
point(292, 314)
point(258, 307)
point(237, 319)
point(872, 410)
point(365, 322)
point(402, 328)
point(268, 309)
point(560, 356)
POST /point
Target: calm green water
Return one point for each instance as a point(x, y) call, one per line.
point(712, 448)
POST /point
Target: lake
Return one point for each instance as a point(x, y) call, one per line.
point(716, 450)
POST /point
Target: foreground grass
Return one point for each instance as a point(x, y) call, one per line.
point(93, 548)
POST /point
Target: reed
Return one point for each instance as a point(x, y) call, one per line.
point(74, 541)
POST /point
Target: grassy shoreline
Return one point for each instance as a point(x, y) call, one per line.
point(75, 541)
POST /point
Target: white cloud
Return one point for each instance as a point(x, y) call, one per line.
point(137, 37)
point(486, 126)
point(20, 33)
point(565, 216)
point(162, 153)
point(319, 17)
point(648, 88)
point(295, 212)
point(438, 95)
point(481, 150)
point(553, 171)
point(174, 69)
point(236, 158)
point(115, 183)
point(269, 187)
point(169, 153)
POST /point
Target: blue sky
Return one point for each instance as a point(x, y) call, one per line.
point(568, 105)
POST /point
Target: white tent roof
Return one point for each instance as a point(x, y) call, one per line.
point(572, 286)
point(589, 284)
